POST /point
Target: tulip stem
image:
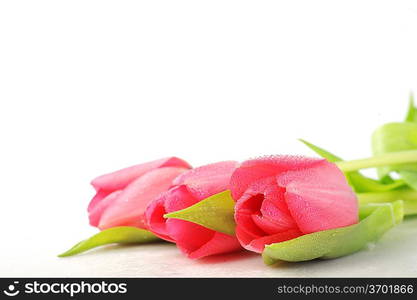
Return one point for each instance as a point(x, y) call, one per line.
point(388, 159)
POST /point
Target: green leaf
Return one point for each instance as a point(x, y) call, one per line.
point(120, 235)
point(362, 183)
point(409, 196)
point(365, 210)
point(340, 241)
point(215, 212)
point(359, 182)
point(398, 138)
point(410, 177)
point(320, 151)
point(395, 137)
point(412, 111)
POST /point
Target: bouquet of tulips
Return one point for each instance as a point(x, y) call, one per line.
point(286, 207)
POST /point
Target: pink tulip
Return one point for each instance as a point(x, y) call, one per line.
point(191, 187)
point(122, 196)
point(279, 198)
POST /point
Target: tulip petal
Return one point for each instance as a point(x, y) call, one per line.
point(177, 198)
point(208, 180)
point(174, 199)
point(258, 245)
point(95, 214)
point(120, 179)
point(99, 196)
point(220, 243)
point(247, 206)
point(188, 236)
point(190, 188)
point(269, 226)
point(281, 219)
point(319, 198)
point(245, 237)
point(197, 241)
point(262, 209)
point(129, 208)
point(254, 230)
point(155, 218)
point(253, 170)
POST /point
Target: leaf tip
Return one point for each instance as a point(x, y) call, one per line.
point(64, 254)
point(308, 144)
point(170, 215)
point(268, 260)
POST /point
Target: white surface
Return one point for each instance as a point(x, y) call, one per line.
point(393, 256)
point(87, 87)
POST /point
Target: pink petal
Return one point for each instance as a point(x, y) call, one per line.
point(253, 170)
point(188, 236)
point(220, 243)
point(129, 208)
point(207, 180)
point(253, 229)
point(245, 237)
point(245, 208)
point(120, 179)
point(191, 187)
point(100, 195)
point(95, 213)
point(258, 245)
point(274, 205)
point(262, 209)
point(269, 226)
point(179, 197)
point(196, 241)
point(319, 198)
point(282, 197)
point(155, 218)
point(174, 199)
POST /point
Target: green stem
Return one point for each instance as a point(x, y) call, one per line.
point(409, 197)
point(388, 159)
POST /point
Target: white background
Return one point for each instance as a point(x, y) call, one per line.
point(87, 87)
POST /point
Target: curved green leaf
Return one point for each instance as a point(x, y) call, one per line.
point(320, 151)
point(362, 183)
point(215, 212)
point(395, 137)
point(398, 137)
point(359, 182)
point(397, 210)
point(340, 241)
point(410, 177)
point(409, 197)
point(120, 235)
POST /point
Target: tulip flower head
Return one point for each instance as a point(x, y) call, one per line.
point(122, 196)
point(279, 198)
point(189, 188)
